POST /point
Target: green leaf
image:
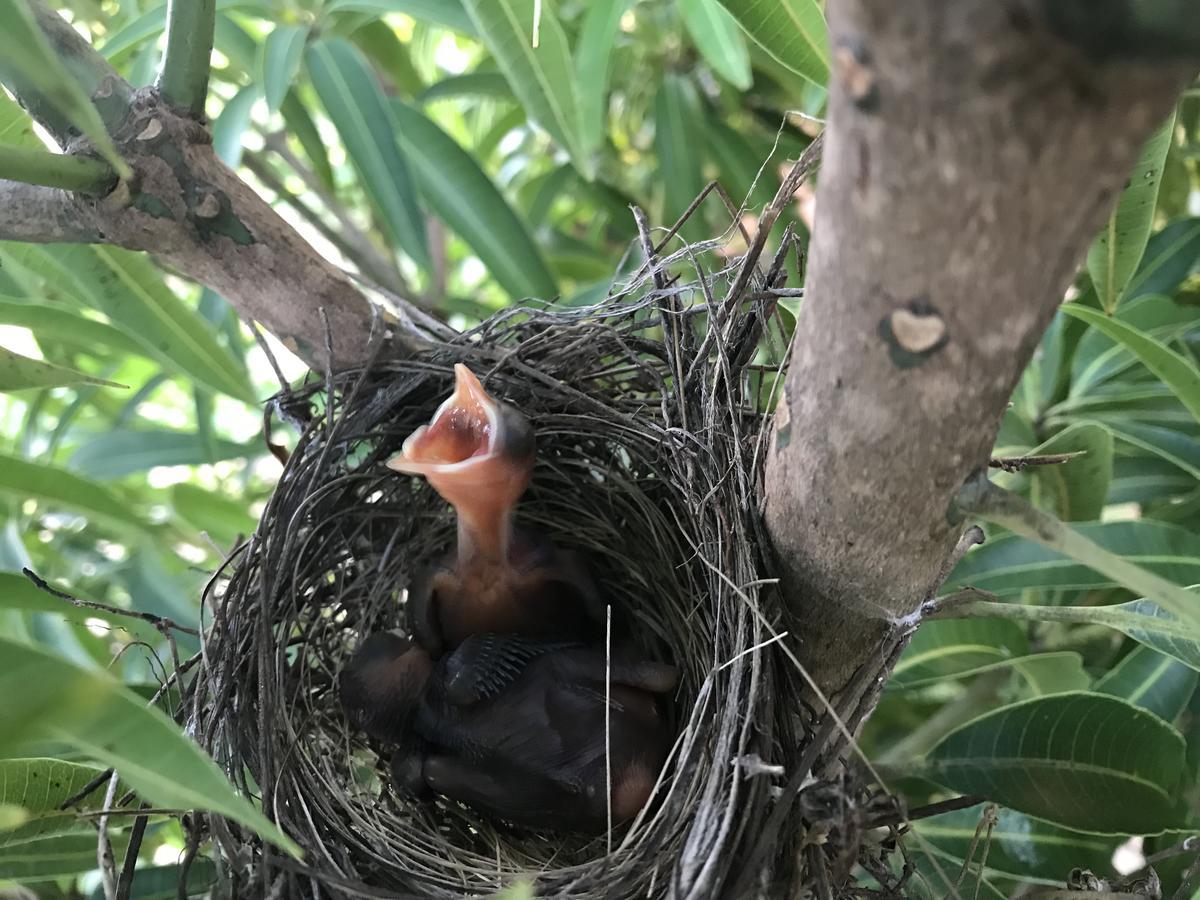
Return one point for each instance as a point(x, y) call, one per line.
point(459, 191)
point(1052, 673)
point(230, 126)
point(1148, 623)
point(542, 77)
point(743, 168)
point(469, 84)
point(120, 453)
point(19, 593)
point(1141, 479)
point(718, 39)
point(40, 786)
point(593, 65)
point(1170, 256)
point(1151, 680)
point(1144, 621)
point(390, 56)
point(26, 55)
point(152, 23)
point(678, 138)
point(282, 52)
point(1021, 846)
point(448, 13)
point(1180, 450)
point(16, 126)
point(23, 480)
point(223, 518)
point(162, 882)
point(132, 293)
point(1007, 565)
point(1086, 761)
point(1099, 358)
point(304, 130)
point(360, 112)
point(52, 321)
point(956, 647)
point(1115, 255)
point(1176, 371)
point(1076, 490)
point(48, 697)
point(19, 373)
point(791, 31)
point(55, 857)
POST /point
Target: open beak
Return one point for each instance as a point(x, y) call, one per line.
point(470, 458)
point(461, 434)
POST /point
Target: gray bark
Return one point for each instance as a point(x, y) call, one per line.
point(971, 156)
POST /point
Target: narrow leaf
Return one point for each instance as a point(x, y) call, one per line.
point(282, 52)
point(152, 23)
point(949, 648)
point(791, 31)
point(1099, 358)
point(19, 372)
point(1177, 372)
point(1085, 761)
point(447, 13)
point(301, 126)
point(132, 293)
point(23, 480)
point(55, 323)
point(120, 453)
point(1170, 256)
point(678, 131)
point(230, 126)
point(1115, 255)
point(469, 84)
point(719, 39)
point(51, 698)
point(358, 109)
point(26, 56)
point(1144, 621)
point(459, 191)
point(222, 518)
point(593, 65)
point(1021, 846)
point(542, 77)
point(1152, 680)
point(989, 502)
point(1077, 489)
point(1008, 564)
point(55, 857)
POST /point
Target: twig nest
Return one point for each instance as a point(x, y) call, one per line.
point(649, 454)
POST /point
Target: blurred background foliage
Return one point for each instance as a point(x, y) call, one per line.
point(419, 144)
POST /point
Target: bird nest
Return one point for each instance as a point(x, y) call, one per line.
point(651, 433)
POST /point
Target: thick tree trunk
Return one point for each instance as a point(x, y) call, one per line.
point(971, 155)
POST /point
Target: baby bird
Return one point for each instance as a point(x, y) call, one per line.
point(478, 454)
point(516, 727)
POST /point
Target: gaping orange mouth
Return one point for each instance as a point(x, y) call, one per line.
point(462, 431)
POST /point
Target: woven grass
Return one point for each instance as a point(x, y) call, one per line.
point(649, 416)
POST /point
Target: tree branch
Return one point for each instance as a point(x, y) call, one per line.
point(959, 191)
point(190, 210)
point(183, 75)
point(71, 173)
point(41, 215)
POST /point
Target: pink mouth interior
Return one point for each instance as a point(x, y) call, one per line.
point(458, 434)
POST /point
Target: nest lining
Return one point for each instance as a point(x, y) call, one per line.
point(650, 441)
